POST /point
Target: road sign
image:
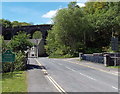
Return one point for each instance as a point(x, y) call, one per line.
point(114, 43)
point(8, 56)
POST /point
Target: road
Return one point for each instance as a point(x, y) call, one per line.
point(71, 77)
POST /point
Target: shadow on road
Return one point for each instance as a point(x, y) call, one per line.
point(31, 66)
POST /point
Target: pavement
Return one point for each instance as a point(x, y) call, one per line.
point(70, 75)
point(36, 79)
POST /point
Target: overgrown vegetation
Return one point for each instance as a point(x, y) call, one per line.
point(18, 65)
point(20, 42)
point(84, 29)
point(7, 23)
point(18, 45)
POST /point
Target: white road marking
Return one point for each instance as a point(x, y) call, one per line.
point(87, 76)
point(70, 69)
point(115, 87)
point(115, 73)
point(56, 85)
point(81, 73)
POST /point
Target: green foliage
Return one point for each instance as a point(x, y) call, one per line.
point(2, 44)
point(20, 42)
point(37, 35)
point(6, 67)
point(86, 30)
point(19, 64)
point(104, 19)
point(5, 23)
point(16, 23)
point(68, 35)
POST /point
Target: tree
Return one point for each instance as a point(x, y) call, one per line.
point(88, 29)
point(69, 32)
point(20, 42)
point(5, 23)
point(2, 44)
point(104, 19)
point(16, 23)
point(37, 35)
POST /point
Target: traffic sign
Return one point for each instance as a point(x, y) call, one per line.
point(8, 56)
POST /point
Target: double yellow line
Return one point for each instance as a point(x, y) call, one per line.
point(56, 85)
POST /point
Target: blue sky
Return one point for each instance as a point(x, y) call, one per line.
point(35, 12)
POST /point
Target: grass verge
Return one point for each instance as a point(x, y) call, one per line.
point(14, 82)
point(114, 66)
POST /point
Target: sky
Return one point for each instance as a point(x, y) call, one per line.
point(32, 12)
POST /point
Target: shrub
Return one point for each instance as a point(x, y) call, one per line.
point(19, 64)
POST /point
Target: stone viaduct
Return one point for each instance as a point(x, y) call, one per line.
point(8, 33)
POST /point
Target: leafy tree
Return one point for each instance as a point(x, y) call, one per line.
point(88, 29)
point(5, 23)
point(69, 32)
point(20, 42)
point(37, 35)
point(16, 23)
point(104, 19)
point(2, 44)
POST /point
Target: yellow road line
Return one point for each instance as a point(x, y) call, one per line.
point(116, 74)
point(56, 85)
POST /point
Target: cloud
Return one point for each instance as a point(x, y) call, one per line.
point(81, 4)
point(50, 14)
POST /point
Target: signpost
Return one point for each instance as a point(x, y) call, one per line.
point(8, 56)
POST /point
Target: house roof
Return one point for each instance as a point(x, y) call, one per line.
point(31, 40)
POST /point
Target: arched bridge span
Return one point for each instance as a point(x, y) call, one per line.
point(8, 33)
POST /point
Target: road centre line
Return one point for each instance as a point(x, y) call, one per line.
point(81, 73)
point(89, 77)
point(116, 74)
point(56, 85)
point(115, 87)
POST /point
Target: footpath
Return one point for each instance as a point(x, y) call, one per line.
point(36, 80)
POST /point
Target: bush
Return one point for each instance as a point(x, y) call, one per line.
point(6, 67)
point(19, 64)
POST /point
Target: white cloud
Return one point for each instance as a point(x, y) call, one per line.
point(81, 4)
point(50, 14)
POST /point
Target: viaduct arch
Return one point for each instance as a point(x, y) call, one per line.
point(8, 33)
